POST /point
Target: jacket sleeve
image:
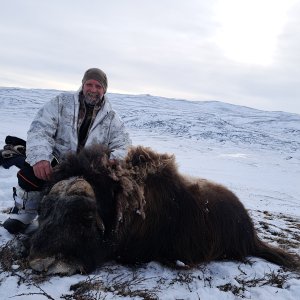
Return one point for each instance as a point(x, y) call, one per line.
point(41, 134)
point(119, 141)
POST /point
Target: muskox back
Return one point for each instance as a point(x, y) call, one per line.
point(151, 212)
point(192, 220)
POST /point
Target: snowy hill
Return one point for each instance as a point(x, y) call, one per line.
point(211, 120)
point(255, 153)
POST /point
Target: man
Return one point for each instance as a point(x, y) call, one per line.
point(68, 122)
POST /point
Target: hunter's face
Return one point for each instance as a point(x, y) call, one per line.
point(93, 90)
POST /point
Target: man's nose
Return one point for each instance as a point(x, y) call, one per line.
point(93, 89)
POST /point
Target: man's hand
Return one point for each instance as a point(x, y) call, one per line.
point(42, 170)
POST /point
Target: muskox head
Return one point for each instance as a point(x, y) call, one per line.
point(70, 230)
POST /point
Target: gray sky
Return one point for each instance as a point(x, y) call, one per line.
point(244, 52)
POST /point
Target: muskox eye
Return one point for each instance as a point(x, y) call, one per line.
point(88, 219)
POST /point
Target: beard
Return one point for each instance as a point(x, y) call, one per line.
point(92, 99)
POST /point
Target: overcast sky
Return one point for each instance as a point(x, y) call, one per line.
point(244, 52)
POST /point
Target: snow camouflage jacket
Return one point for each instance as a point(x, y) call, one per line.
point(54, 132)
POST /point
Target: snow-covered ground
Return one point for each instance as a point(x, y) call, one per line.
point(254, 153)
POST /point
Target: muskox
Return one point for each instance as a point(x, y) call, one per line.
point(137, 210)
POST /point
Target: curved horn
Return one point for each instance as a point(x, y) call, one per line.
point(73, 186)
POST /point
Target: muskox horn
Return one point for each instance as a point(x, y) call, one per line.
point(73, 186)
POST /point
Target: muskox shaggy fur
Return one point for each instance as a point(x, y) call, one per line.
point(138, 210)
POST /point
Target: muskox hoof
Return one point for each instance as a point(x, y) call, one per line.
point(52, 266)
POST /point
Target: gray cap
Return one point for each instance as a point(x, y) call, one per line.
point(96, 74)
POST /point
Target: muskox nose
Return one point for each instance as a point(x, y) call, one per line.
point(51, 266)
point(41, 264)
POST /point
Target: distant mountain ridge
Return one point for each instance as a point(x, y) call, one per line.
point(214, 121)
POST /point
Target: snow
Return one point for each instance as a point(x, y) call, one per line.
point(254, 153)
